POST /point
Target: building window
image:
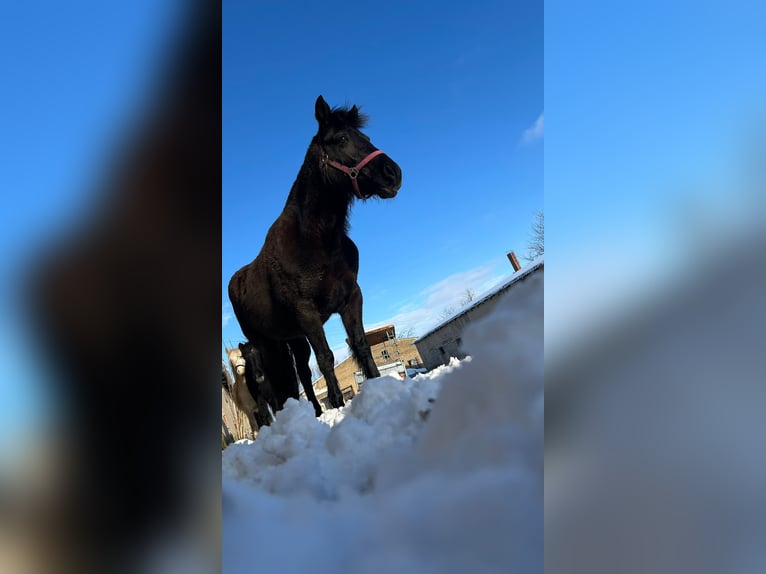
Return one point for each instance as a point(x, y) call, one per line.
point(384, 354)
point(348, 393)
point(325, 402)
point(413, 362)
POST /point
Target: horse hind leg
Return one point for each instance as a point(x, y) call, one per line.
point(351, 315)
point(301, 353)
point(287, 386)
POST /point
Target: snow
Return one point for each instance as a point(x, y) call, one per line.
point(438, 474)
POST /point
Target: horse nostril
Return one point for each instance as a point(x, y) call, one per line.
point(392, 171)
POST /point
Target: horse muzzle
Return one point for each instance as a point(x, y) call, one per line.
point(389, 192)
point(393, 179)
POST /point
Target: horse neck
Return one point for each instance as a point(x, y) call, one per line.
point(322, 211)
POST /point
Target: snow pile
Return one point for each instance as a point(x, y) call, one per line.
point(394, 482)
point(299, 453)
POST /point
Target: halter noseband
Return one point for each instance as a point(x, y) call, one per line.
point(352, 172)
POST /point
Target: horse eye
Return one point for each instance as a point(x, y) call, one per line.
point(341, 139)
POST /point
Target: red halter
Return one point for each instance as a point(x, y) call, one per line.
point(352, 172)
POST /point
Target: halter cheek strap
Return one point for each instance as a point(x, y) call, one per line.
point(352, 172)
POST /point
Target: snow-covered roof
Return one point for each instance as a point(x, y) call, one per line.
point(534, 265)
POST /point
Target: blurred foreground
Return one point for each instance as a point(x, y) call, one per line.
point(655, 157)
point(655, 427)
point(123, 308)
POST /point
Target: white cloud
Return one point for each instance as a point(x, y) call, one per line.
point(424, 311)
point(226, 315)
point(535, 132)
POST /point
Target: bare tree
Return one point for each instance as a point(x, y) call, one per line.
point(407, 333)
point(468, 296)
point(536, 246)
point(447, 312)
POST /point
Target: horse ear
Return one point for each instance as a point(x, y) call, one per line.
point(321, 110)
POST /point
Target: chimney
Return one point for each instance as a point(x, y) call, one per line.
point(514, 261)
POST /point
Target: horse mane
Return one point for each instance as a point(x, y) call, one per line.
point(342, 116)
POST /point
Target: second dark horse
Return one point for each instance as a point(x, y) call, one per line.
point(307, 268)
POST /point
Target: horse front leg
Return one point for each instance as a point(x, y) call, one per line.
point(279, 382)
point(312, 327)
point(351, 315)
point(262, 415)
point(301, 353)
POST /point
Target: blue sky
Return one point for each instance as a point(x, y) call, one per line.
point(455, 96)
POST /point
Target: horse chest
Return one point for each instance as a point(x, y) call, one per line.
point(326, 290)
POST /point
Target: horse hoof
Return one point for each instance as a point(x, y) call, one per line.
point(336, 404)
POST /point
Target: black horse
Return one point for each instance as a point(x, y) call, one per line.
point(264, 390)
point(307, 268)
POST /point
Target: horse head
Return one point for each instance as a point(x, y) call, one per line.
point(345, 153)
point(237, 361)
point(250, 354)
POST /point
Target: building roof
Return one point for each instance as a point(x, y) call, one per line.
point(379, 335)
point(517, 276)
